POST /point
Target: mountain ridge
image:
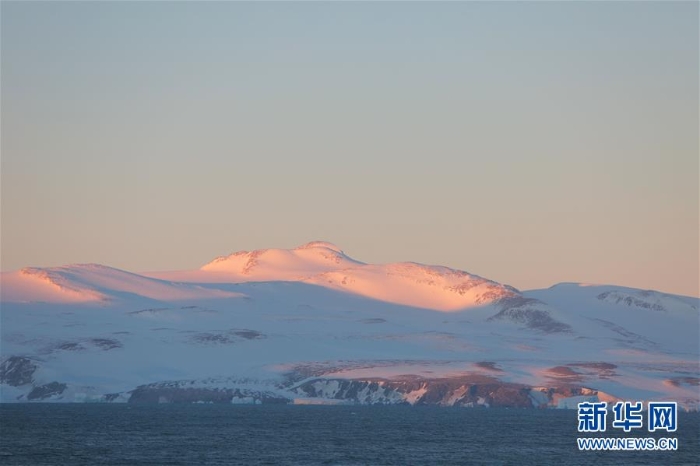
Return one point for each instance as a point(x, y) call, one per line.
point(312, 325)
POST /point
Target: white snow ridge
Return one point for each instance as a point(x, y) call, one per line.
point(311, 325)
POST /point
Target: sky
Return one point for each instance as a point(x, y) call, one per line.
point(528, 142)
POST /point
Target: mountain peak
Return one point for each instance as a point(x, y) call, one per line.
point(320, 244)
point(283, 264)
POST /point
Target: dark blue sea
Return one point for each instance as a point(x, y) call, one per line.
point(96, 434)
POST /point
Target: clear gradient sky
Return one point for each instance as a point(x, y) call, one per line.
point(530, 143)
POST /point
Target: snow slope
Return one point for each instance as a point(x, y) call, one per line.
point(310, 325)
point(93, 283)
point(324, 264)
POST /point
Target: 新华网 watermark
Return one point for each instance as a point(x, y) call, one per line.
point(628, 416)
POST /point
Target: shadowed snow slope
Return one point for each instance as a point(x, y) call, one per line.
point(312, 325)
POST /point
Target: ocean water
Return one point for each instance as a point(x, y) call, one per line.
point(96, 434)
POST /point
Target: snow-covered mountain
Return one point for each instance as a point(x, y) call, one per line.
point(312, 325)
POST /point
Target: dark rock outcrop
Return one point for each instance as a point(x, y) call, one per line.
point(106, 344)
point(470, 390)
point(529, 312)
point(488, 365)
point(17, 371)
point(70, 346)
point(226, 337)
point(248, 334)
point(45, 391)
point(627, 299)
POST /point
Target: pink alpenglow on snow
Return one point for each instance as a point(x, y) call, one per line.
point(325, 264)
point(311, 325)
